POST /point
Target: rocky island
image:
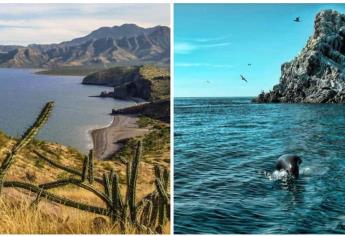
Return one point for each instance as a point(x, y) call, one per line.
point(316, 75)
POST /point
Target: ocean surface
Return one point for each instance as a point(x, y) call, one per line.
point(23, 93)
point(225, 154)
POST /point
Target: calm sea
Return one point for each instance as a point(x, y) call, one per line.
point(23, 94)
point(225, 154)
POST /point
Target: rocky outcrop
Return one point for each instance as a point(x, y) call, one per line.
point(147, 82)
point(140, 88)
point(157, 110)
point(128, 44)
point(113, 77)
point(317, 74)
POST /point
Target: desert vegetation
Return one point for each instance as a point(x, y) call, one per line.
point(47, 188)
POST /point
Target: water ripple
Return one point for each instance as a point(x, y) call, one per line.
point(225, 153)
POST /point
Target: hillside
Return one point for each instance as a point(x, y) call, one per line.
point(317, 74)
point(50, 188)
point(127, 44)
point(146, 82)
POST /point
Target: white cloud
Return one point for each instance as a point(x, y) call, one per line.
point(202, 65)
point(186, 47)
point(183, 47)
point(52, 23)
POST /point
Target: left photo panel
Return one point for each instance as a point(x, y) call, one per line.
point(85, 118)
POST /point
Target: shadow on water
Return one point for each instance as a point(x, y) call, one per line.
point(294, 189)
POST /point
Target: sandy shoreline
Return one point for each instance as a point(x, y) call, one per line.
point(106, 140)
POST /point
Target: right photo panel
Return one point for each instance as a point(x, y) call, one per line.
point(259, 124)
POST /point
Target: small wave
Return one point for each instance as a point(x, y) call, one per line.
point(176, 134)
point(277, 175)
point(305, 171)
point(283, 174)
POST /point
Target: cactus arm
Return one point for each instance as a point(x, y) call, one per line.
point(25, 140)
point(33, 130)
point(64, 182)
point(62, 167)
point(54, 198)
point(161, 191)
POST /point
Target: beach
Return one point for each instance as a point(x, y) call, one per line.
point(107, 140)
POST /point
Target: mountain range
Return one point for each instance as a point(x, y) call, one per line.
point(127, 44)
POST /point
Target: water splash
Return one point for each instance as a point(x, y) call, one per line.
point(277, 175)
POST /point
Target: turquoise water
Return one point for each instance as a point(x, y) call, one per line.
point(23, 94)
point(225, 153)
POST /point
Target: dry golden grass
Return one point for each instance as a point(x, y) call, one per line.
point(50, 218)
point(151, 71)
point(18, 217)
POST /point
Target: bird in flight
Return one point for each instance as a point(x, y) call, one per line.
point(297, 19)
point(242, 78)
point(207, 81)
point(249, 64)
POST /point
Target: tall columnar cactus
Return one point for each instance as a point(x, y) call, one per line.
point(85, 168)
point(166, 178)
point(25, 140)
point(116, 194)
point(90, 169)
point(116, 197)
point(132, 182)
point(106, 185)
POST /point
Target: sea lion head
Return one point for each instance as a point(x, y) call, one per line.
point(295, 161)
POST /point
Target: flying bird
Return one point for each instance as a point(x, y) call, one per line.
point(297, 19)
point(207, 81)
point(249, 64)
point(242, 78)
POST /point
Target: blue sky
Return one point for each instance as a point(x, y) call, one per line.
point(23, 24)
point(215, 43)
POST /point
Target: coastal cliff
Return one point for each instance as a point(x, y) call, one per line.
point(146, 82)
point(156, 110)
point(316, 75)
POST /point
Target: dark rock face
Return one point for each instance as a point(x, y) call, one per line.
point(317, 74)
point(146, 82)
point(157, 110)
point(139, 88)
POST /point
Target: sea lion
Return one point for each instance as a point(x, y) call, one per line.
point(290, 163)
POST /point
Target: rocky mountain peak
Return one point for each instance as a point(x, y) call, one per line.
point(126, 44)
point(317, 74)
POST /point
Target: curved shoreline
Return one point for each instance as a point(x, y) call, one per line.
point(107, 140)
